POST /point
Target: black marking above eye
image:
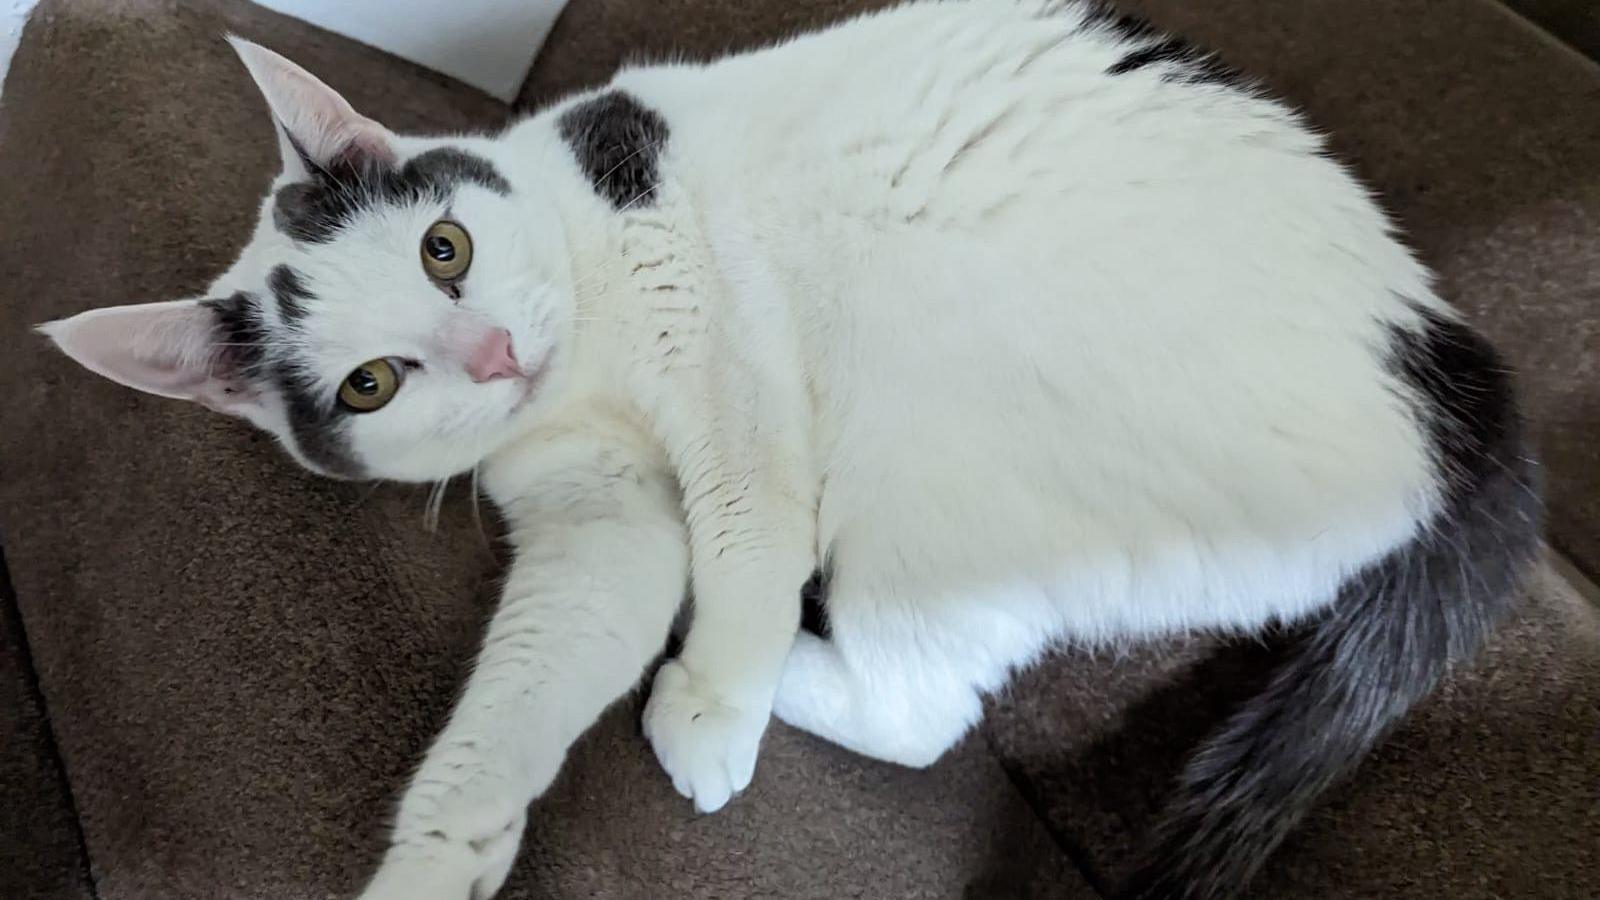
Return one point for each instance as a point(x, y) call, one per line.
point(289, 289)
point(313, 211)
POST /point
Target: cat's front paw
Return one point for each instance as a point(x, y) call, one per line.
point(438, 866)
point(705, 742)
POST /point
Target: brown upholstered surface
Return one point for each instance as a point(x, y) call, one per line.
point(594, 37)
point(1490, 790)
point(40, 854)
point(239, 661)
point(1575, 21)
point(242, 662)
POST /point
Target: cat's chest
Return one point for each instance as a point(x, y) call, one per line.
point(702, 322)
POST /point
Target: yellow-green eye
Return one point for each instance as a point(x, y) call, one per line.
point(446, 251)
point(370, 387)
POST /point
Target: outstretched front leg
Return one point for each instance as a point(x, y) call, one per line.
point(600, 570)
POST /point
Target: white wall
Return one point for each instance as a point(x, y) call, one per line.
point(487, 43)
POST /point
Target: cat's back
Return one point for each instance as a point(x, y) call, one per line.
point(1057, 130)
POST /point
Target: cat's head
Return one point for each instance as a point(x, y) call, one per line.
point(397, 312)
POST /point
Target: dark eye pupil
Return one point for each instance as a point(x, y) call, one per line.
point(363, 382)
point(440, 248)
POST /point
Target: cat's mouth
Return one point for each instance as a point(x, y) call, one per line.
point(529, 383)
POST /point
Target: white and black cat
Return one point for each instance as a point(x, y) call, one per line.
point(1019, 322)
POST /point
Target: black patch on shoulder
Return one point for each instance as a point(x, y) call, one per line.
point(318, 428)
point(617, 142)
point(1466, 401)
point(314, 211)
point(289, 289)
point(1191, 64)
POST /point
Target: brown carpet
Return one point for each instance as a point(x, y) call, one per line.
point(1575, 21)
point(41, 851)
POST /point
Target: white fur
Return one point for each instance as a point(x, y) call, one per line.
point(1018, 351)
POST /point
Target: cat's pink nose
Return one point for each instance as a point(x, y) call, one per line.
point(492, 358)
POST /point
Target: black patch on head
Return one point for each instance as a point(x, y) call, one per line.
point(314, 211)
point(1382, 645)
point(438, 172)
point(617, 142)
point(289, 289)
point(318, 428)
point(242, 333)
point(1192, 64)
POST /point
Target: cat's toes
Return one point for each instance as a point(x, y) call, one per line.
point(706, 744)
point(437, 866)
point(497, 853)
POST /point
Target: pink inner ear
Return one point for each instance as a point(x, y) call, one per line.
point(322, 123)
point(168, 349)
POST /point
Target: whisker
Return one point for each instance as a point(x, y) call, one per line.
point(654, 145)
point(367, 495)
point(640, 196)
point(430, 516)
point(477, 519)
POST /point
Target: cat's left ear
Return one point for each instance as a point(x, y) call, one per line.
point(174, 349)
point(317, 128)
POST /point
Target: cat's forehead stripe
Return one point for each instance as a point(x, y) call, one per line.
point(318, 428)
point(289, 289)
point(313, 211)
point(616, 141)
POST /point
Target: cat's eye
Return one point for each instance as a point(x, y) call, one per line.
point(446, 251)
point(370, 387)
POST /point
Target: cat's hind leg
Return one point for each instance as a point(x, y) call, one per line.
point(899, 678)
point(896, 710)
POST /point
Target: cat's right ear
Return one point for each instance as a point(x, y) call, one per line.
point(172, 349)
point(317, 128)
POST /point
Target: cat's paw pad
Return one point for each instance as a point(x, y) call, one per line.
point(706, 744)
point(435, 866)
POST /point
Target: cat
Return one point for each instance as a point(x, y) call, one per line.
point(1019, 322)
